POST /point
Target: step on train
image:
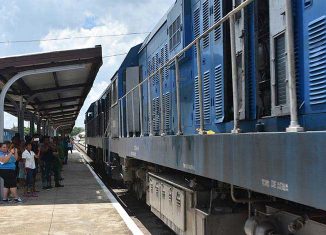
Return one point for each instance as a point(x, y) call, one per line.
point(218, 119)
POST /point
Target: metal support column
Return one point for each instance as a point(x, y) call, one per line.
point(200, 89)
point(38, 131)
point(46, 127)
point(162, 117)
point(21, 119)
point(31, 126)
point(127, 117)
point(177, 87)
point(150, 118)
point(119, 119)
point(236, 128)
point(133, 114)
point(294, 124)
point(38, 124)
point(122, 119)
point(43, 127)
point(140, 110)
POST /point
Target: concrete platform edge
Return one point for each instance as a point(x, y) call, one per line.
point(124, 215)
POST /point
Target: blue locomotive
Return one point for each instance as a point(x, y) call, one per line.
point(218, 118)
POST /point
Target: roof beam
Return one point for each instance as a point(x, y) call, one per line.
point(56, 108)
point(64, 114)
point(58, 112)
point(61, 100)
point(55, 78)
point(63, 123)
point(50, 90)
point(63, 119)
point(61, 89)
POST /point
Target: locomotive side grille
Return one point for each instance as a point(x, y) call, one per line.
point(317, 61)
point(162, 62)
point(166, 71)
point(151, 70)
point(162, 58)
point(156, 114)
point(280, 69)
point(149, 67)
point(197, 118)
point(297, 55)
point(218, 93)
point(153, 113)
point(217, 17)
point(206, 97)
point(196, 24)
point(167, 110)
point(206, 23)
point(156, 64)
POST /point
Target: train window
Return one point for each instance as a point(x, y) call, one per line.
point(175, 33)
point(114, 92)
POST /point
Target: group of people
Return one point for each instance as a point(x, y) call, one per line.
point(21, 161)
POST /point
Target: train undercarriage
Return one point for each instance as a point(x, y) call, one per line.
point(189, 202)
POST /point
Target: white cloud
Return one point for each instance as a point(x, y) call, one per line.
point(110, 46)
point(97, 90)
point(9, 12)
point(9, 120)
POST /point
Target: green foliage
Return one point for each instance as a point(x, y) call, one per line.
point(26, 131)
point(76, 131)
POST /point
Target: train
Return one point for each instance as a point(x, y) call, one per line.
point(8, 134)
point(217, 119)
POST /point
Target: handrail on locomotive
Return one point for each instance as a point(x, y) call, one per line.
point(294, 126)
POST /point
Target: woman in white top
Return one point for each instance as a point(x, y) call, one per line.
point(28, 156)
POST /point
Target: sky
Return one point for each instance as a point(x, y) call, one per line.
point(46, 19)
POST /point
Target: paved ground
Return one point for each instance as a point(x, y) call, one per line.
point(81, 207)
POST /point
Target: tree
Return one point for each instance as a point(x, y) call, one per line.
point(76, 131)
point(26, 131)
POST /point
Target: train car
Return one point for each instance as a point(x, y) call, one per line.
point(217, 119)
point(8, 134)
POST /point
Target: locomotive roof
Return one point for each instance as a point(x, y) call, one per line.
point(157, 27)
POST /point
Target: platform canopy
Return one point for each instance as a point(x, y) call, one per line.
point(57, 91)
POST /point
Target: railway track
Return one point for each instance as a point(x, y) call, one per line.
point(139, 211)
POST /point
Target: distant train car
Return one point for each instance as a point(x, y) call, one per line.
point(8, 134)
point(218, 119)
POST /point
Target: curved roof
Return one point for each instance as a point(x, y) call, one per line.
point(57, 96)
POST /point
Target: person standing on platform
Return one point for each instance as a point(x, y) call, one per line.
point(19, 145)
point(61, 149)
point(57, 164)
point(49, 161)
point(46, 158)
point(65, 143)
point(70, 144)
point(8, 172)
point(29, 158)
point(35, 149)
point(21, 178)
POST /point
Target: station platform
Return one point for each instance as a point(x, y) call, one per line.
point(82, 206)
